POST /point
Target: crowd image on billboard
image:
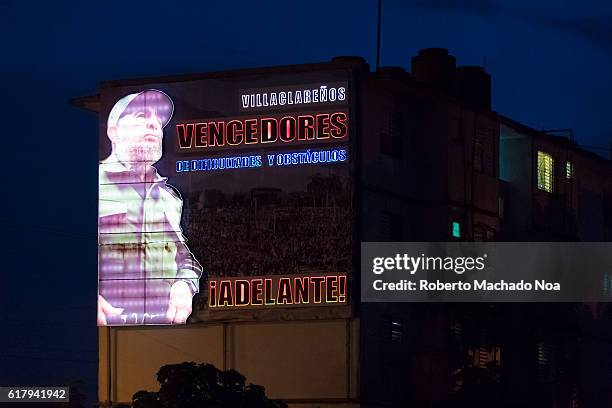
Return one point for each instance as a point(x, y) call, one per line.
point(266, 231)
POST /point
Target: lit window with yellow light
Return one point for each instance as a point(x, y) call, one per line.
point(546, 166)
point(569, 170)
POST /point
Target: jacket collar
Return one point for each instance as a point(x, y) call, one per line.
point(113, 165)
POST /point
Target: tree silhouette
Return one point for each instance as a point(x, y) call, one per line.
point(192, 385)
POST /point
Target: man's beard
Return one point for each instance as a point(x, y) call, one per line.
point(145, 154)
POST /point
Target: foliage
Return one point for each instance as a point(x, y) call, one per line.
point(192, 385)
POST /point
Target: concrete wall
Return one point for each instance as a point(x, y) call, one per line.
point(307, 363)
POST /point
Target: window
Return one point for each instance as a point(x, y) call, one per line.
point(391, 136)
point(569, 170)
point(479, 156)
point(480, 234)
point(483, 232)
point(546, 362)
point(391, 145)
point(456, 229)
point(546, 166)
point(454, 129)
point(607, 209)
point(607, 285)
point(397, 331)
point(484, 151)
point(484, 356)
point(390, 227)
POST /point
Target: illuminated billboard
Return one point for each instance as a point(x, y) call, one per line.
point(222, 194)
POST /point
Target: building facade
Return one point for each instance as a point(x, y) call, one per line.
point(431, 161)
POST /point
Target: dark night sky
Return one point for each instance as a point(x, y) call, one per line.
point(551, 66)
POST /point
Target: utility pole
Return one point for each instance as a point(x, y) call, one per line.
point(378, 36)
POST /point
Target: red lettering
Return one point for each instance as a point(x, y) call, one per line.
point(201, 135)
point(339, 127)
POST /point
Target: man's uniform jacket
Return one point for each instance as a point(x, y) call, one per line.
point(142, 250)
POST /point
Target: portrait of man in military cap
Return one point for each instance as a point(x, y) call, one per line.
point(146, 272)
